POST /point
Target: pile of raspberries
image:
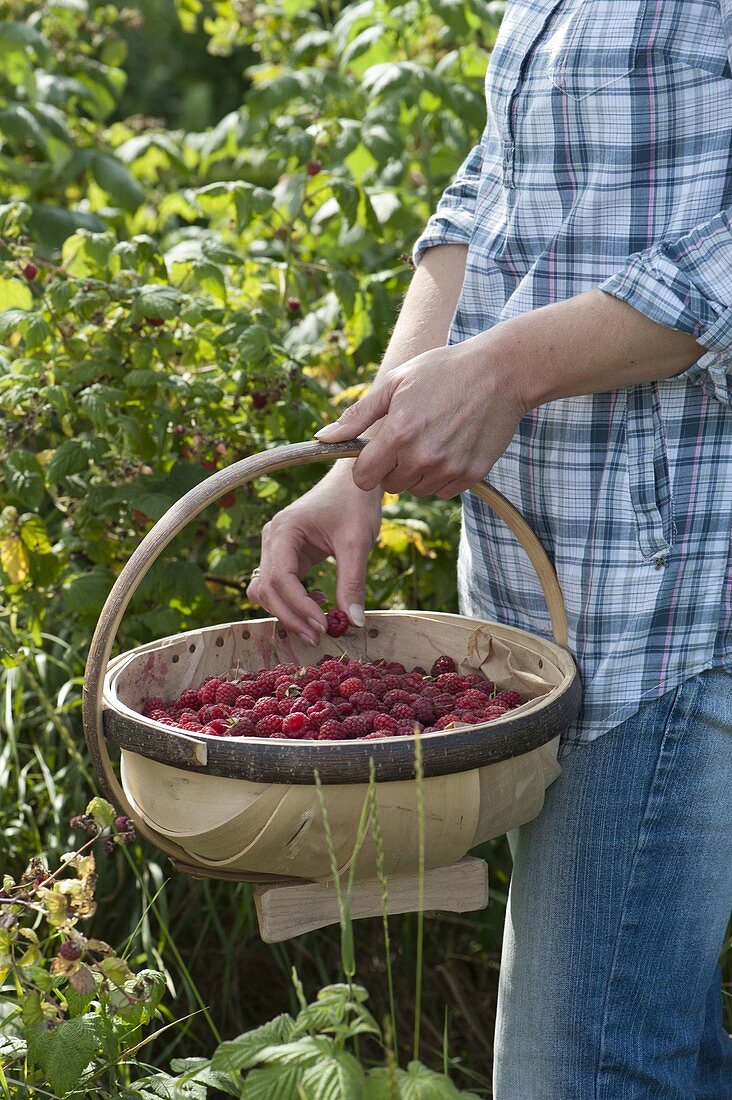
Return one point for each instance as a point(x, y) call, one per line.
point(335, 700)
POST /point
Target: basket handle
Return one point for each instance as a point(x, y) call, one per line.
point(186, 509)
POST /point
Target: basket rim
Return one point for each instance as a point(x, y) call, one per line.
point(347, 761)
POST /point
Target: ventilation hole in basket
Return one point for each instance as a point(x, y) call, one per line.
point(219, 642)
point(281, 633)
point(175, 658)
point(246, 635)
point(541, 663)
point(373, 633)
point(191, 649)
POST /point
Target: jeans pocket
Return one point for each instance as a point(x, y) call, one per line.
point(649, 479)
point(595, 45)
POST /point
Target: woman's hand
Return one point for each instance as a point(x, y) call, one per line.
point(334, 518)
point(448, 415)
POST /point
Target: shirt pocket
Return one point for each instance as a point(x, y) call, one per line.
point(593, 45)
point(649, 478)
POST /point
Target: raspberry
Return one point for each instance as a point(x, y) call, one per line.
point(296, 725)
point(192, 725)
point(269, 726)
point(209, 689)
point(471, 700)
point(286, 689)
point(191, 700)
point(451, 682)
point(320, 712)
point(344, 709)
point(492, 712)
point(264, 684)
point(244, 702)
point(332, 731)
point(423, 710)
point(212, 712)
point(266, 705)
point(375, 735)
point(217, 728)
point(337, 623)
point(356, 726)
point(402, 710)
point(430, 691)
point(70, 951)
point(350, 687)
point(243, 727)
point(123, 823)
point(152, 705)
point(407, 727)
point(510, 699)
point(447, 721)
point(443, 664)
point(316, 689)
point(228, 693)
point(30, 271)
point(385, 723)
point(363, 700)
point(395, 668)
point(396, 696)
point(330, 667)
point(443, 703)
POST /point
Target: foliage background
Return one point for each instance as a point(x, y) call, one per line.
point(205, 212)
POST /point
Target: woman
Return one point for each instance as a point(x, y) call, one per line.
point(568, 330)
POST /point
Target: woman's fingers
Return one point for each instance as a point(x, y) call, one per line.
point(286, 557)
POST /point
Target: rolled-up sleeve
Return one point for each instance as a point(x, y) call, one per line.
point(452, 221)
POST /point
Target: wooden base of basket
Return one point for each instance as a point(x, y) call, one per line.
point(285, 911)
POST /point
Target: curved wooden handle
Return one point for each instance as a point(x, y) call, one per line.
point(186, 509)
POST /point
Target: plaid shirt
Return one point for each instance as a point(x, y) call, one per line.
point(607, 162)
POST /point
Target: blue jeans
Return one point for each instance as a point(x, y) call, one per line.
point(619, 901)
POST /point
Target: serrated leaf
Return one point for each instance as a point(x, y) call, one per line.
point(24, 478)
point(338, 1078)
point(35, 536)
point(273, 1083)
point(72, 1048)
point(242, 1052)
point(70, 457)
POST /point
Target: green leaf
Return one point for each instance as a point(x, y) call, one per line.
point(18, 122)
point(102, 812)
point(117, 180)
point(290, 192)
point(157, 301)
point(85, 593)
point(273, 1083)
point(337, 1078)
point(242, 1052)
point(51, 225)
point(415, 1083)
point(24, 478)
point(70, 457)
point(73, 1046)
point(35, 536)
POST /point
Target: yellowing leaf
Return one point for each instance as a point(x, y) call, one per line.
point(15, 294)
point(14, 559)
point(351, 393)
point(398, 537)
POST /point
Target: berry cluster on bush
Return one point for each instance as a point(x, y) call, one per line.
point(335, 700)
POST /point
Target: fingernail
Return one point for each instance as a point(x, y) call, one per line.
point(328, 430)
point(356, 615)
point(307, 639)
point(319, 627)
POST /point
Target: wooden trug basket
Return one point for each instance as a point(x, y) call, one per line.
point(248, 809)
